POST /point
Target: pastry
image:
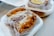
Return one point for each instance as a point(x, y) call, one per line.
point(21, 19)
point(41, 14)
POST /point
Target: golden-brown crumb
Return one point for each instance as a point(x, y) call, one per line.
point(27, 25)
point(15, 11)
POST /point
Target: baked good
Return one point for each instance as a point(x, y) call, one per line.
point(41, 14)
point(21, 19)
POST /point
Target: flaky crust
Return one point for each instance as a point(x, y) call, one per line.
point(14, 11)
point(22, 22)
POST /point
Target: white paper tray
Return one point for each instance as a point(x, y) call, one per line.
point(38, 25)
point(4, 30)
point(16, 3)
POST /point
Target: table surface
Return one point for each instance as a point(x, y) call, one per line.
point(46, 30)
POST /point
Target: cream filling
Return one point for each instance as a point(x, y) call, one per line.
point(37, 1)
